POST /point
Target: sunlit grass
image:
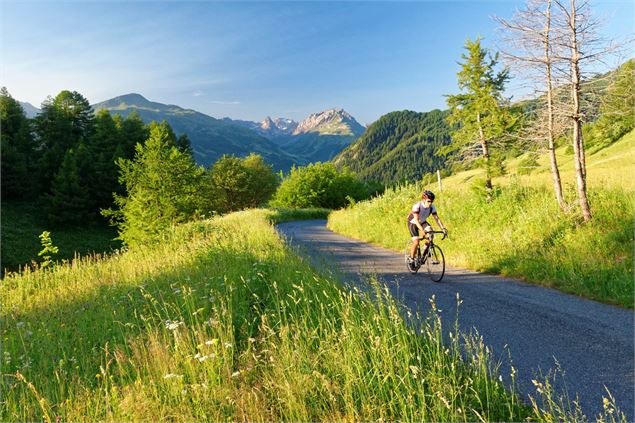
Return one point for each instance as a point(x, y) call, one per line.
point(222, 321)
point(522, 232)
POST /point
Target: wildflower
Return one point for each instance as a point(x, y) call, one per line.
point(228, 345)
point(173, 325)
point(251, 340)
point(20, 325)
point(235, 374)
point(172, 376)
point(212, 342)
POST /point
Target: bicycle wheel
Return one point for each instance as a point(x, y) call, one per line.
point(412, 267)
point(435, 263)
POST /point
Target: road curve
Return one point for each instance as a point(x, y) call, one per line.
point(592, 342)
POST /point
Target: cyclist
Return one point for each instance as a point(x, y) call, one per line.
point(417, 222)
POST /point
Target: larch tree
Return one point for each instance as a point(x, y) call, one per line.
point(528, 37)
point(478, 113)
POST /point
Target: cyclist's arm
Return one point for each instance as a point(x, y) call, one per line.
point(436, 217)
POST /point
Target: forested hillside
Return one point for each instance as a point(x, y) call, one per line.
point(400, 146)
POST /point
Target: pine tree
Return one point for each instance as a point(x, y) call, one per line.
point(18, 150)
point(184, 144)
point(133, 132)
point(103, 146)
point(69, 200)
point(64, 122)
point(479, 110)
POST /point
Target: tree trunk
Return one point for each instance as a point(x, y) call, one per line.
point(485, 148)
point(578, 146)
point(557, 184)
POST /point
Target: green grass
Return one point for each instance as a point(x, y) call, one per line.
point(522, 233)
point(223, 322)
point(22, 223)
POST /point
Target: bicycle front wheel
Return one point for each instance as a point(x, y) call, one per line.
point(435, 263)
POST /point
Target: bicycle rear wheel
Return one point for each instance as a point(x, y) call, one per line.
point(435, 263)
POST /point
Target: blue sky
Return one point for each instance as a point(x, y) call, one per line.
point(247, 60)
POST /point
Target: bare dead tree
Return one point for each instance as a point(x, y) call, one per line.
point(528, 36)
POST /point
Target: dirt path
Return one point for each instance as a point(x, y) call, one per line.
point(592, 342)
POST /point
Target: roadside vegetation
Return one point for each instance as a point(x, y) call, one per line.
point(223, 322)
point(520, 231)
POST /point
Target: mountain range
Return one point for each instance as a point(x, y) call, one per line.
point(282, 142)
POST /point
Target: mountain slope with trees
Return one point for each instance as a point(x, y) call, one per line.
point(399, 146)
point(211, 138)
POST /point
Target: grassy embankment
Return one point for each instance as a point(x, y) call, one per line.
point(223, 322)
point(521, 232)
point(22, 223)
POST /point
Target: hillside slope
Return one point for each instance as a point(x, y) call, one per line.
point(521, 232)
point(400, 146)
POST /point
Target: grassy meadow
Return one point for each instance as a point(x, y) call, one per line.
point(22, 223)
point(222, 321)
point(521, 232)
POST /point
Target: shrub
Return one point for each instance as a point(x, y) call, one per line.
point(319, 185)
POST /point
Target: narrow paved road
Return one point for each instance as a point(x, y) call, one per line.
point(592, 342)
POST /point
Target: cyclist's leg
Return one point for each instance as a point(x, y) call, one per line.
point(426, 241)
point(414, 233)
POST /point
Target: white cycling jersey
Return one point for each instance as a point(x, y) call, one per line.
point(424, 212)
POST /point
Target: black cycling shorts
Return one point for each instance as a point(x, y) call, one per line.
point(414, 229)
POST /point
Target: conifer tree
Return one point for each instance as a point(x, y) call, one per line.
point(184, 144)
point(17, 147)
point(133, 132)
point(64, 122)
point(69, 200)
point(479, 111)
point(164, 187)
point(103, 146)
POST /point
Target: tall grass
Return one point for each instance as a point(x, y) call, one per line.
point(223, 322)
point(520, 233)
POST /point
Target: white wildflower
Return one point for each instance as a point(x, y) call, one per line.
point(173, 325)
point(235, 374)
point(228, 345)
point(172, 376)
point(212, 342)
point(20, 324)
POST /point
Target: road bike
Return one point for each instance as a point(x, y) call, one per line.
point(431, 257)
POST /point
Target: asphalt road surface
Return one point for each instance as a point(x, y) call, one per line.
point(592, 342)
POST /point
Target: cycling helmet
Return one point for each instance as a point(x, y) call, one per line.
point(428, 194)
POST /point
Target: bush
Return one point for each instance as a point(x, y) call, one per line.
point(319, 185)
point(242, 183)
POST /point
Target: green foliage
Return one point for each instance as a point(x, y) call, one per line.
point(479, 113)
point(69, 201)
point(617, 110)
point(18, 149)
point(48, 250)
point(224, 310)
point(319, 185)
point(163, 187)
point(22, 222)
point(528, 164)
point(519, 231)
point(64, 122)
point(242, 183)
point(399, 146)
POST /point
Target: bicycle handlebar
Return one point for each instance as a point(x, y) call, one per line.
point(436, 232)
